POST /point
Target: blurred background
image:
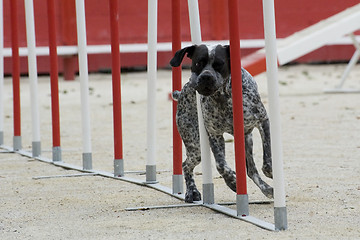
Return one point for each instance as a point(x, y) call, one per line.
point(291, 16)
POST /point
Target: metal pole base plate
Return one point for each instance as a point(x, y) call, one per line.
point(17, 143)
point(151, 174)
point(119, 167)
point(178, 184)
point(280, 215)
point(87, 161)
point(36, 149)
point(56, 154)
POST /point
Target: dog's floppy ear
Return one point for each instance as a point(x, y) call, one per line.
point(179, 55)
point(227, 48)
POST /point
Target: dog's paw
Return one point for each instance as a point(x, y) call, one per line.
point(176, 95)
point(267, 170)
point(268, 192)
point(192, 195)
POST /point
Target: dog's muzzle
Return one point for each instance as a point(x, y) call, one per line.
point(206, 84)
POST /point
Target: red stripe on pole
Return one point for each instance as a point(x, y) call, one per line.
point(115, 69)
point(53, 73)
point(236, 81)
point(15, 68)
point(176, 85)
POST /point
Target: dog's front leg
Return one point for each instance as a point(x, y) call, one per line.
point(190, 134)
point(192, 193)
point(217, 145)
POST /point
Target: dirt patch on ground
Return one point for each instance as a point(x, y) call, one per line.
point(321, 165)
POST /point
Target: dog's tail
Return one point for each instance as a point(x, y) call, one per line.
point(176, 95)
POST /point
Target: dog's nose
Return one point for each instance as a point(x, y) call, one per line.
point(205, 84)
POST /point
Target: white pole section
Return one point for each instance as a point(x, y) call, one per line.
point(204, 140)
point(84, 83)
point(1, 74)
point(30, 36)
point(274, 112)
point(151, 91)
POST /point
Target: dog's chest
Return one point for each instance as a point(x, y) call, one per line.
point(217, 113)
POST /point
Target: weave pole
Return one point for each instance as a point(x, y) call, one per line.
point(208, 185)
point(55, 112)
point(280, 212)
point(84, 84)
point(177, 181)
point(15, 76)
point(1, 73)
point(32, 65)
point(242, 201)
point(116, 87)
point(151, 91)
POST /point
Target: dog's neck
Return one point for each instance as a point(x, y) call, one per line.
point(223, 94)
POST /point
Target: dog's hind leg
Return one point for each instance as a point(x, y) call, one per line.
point(264, 130)
point(251, 168)
point(217, 145)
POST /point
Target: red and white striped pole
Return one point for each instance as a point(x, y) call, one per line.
point(15, 75)
point(116, 88)
point(208, 185)
point(280, 212)
point(84, 84)
point(176, 85)
point(54, 81)
point(32, 64)
point(151, 91)
point(242, 201)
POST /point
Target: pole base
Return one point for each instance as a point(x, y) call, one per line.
point(151, 174)
point(118, 167)
point(1, 138)
point(208, 193)
point(36, 149)
point(87, 161)
point(178, 184)
point(280, 215)
point(242, 205)
point(17, 143)
point(56, 154)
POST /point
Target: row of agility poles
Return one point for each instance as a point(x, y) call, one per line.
point(83, 73)
point(242, 199)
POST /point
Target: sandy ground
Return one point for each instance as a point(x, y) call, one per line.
point(321, 165)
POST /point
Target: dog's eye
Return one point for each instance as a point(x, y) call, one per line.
point(199, 64)
point(218, 65)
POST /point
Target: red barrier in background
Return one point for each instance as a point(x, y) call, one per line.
point(292, 16)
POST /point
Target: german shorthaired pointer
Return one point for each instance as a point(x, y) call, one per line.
point(211, 78)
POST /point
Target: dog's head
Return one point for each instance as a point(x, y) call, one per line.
point(210, 66)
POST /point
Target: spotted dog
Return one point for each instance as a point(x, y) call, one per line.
point(210, 76)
